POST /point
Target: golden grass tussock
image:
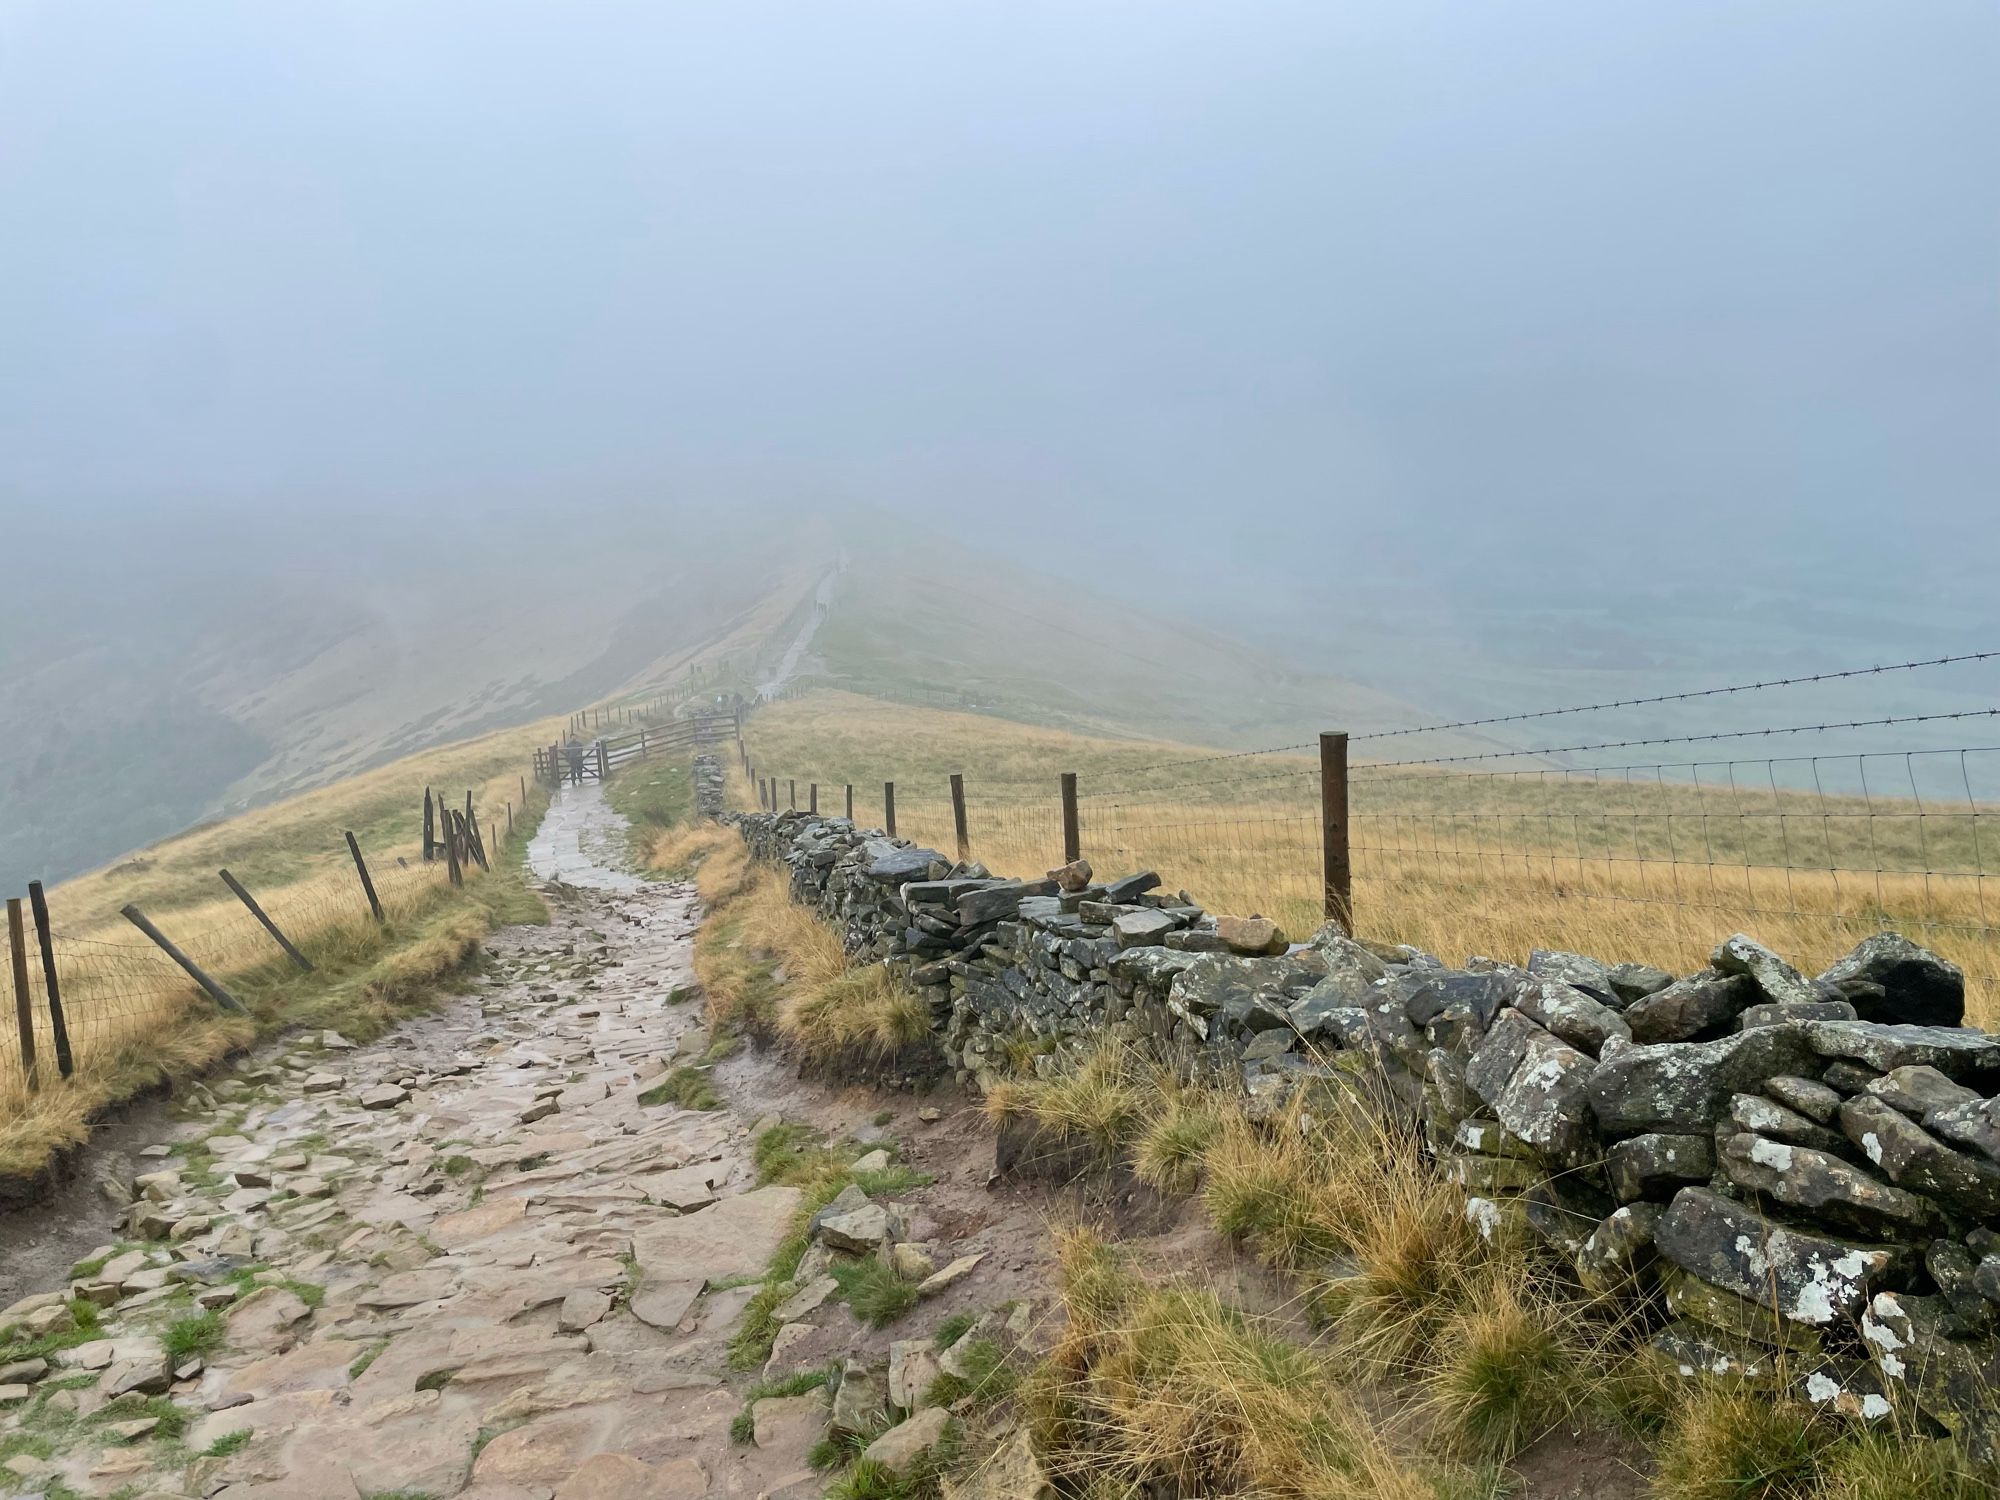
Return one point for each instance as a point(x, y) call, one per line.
point(1159, 1387)
point(1653, 871)
point(771, 966)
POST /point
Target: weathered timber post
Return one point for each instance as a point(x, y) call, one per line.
point(1072, 825)
point(367, 885)
point(272, 927)
point(603, 763)
point(24, 1006)
point(812, 797)
point(958, 816)
point(793, 792)
point(889, 808)
point(1333, 830)
point(850, 802)
point(38, 903)
point(473, 839)
point(524, 797)
point(223, 999)
point(430, 827)
point(510, 822)
point(454, 870)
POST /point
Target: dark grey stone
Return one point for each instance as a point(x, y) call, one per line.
point(1915, 984)
point(1637, 981)
point(1806, 1278)
point(1833, 1190)
point(1955, 1053)
point(1703, 1005)
point(1654, 1165)
point(1815, 1100)
point(1684, 1087)
point(1975, 1124)
point(1913, 1158)
point(1917, 1090)
point(1573, 1014)
point(1777, 979)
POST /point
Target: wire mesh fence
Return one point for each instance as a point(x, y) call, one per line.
point(116, 988)
point(1650, 862)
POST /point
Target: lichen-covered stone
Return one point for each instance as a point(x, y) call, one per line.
point(1914, 1158)
point(1655, 1165)
point(1805, 1278)
point(1834, 1190)
point(1702, 1005)
point(1685, 1087)
point(1914, 984)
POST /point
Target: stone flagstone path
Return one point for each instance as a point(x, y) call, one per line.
point(466, 1261)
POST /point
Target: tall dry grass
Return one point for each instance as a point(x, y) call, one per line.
point(1628, 868)
point(134, 1018)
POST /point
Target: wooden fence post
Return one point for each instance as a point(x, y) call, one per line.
point(472, 837)
point(524, 799)
point(850, 802)
point(510, 822)
point(223, 999)
point(361, 868)
point(1333, 830)
point(1072, 826)
point(603, 764)
point(430, 827)
point(889, 808)
point(454, 870)
point(958, 816)
point(24, 1007)
point(812, 797)
point(272, 927)
point(793, 792)
point(38, 903)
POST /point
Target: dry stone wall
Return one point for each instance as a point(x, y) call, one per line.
point(1796, 1179)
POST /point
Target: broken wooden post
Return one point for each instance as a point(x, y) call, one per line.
point(216, 992)
point(1072, 829)
point(272, 927)
point(38, 903)
point(1339, 873)
point(361, 868)
point(430, 829)
point(24, 1005)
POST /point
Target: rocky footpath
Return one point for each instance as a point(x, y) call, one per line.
point(487, 1256)
point(1795, 1180)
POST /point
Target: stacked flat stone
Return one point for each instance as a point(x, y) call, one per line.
point(708, 798)
point(1795, 1180)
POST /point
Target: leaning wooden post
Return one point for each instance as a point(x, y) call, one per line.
point(889, 808)
point(216, 992)
point(1333, 830)
point(272, 927)
point(850, 802)
point(454, 871)
point(361, 868)
point(958, 816)
point(24, 1006)
point(473, 839)
point(430, 830)
point(1072, 826)
point(38, 903)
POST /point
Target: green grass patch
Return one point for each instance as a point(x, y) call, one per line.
point(686, 1087)
point(191, 1337)
point(873, 1290)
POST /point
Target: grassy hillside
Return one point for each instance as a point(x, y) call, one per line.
point(135, 1019)
point(1456, 863)
point(932, 626)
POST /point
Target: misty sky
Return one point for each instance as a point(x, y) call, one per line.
point(1294, 317)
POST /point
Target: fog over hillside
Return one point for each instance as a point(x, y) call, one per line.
point(370, 376)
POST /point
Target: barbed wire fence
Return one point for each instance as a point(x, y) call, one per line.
point(1580, 843)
